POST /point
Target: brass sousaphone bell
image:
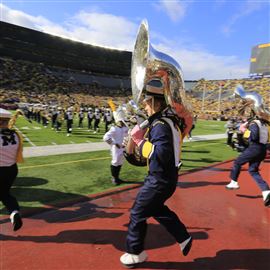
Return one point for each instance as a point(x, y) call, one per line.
point(148, 64)
point(252, 100)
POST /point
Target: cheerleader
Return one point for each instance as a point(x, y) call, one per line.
point(10, 155)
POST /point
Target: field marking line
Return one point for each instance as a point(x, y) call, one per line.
point(195, 146)
point(25, 137)
point(64, 162)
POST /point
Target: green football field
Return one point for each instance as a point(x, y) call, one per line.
point(46, 181)
point(37, 135)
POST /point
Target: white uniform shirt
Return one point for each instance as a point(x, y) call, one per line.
point(97, 114)
point(90, 114)
point(8, 149)
point(69, 115)
point(108, 116)
point(116, 136)
point(81, 114)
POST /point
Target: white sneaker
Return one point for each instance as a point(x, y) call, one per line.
point(233, 185)
point(16, 220)
point(266, 197)
point(130, 260)
point(186, 246)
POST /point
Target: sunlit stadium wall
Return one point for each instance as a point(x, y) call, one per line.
point(260, 60)
point(27, 44)
point(109, 68)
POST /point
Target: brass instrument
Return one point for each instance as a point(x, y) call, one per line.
point(253, 101)
point(147, 64)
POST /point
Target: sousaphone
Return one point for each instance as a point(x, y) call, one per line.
point(148, 64)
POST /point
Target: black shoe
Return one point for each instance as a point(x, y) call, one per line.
point(115, 182)
point(120, 181)
point(17, 222)
point(187, 248)
point(267, 201)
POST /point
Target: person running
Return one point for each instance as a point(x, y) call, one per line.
point(160, 144)
point(10, 155)
point(254, 154)
point(114, 137)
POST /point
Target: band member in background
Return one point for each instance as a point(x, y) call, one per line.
point(54, 116)
point(231, 127)
point(97, 116)
point(254, 154)
point(69, 119)
point(44, 117)
point(114, 137)
point(160, 144)
point(90, 117)
point(193, 126)
point(81, 117)
point(107, 118)
point(59, 119)
point(10, 153)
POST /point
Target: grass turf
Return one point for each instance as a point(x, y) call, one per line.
point(37, 135)
point(46, 181)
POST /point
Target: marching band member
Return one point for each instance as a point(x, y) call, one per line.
point(69, 119)
point(230, 129)
point(81, 117)
point(54, 117)
point(114, 137)
point(90, 117)
point(107, 118)
point(254, 154)
point(10, 154)
point(97, 116)
point(59, 118)
point(44, 116)
point(160, 144)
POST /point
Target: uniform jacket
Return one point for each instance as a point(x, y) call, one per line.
point(258, 133)
point(159, 150)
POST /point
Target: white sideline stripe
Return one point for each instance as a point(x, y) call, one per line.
point(64, 149)
point(25, 137)
point(63, 162)
point(90, 147)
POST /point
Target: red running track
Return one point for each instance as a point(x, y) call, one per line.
point(230, 229)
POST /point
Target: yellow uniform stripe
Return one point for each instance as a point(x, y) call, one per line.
point(253, 59)
point(147, 149)
point(246, 134)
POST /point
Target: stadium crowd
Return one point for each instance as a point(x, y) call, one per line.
point(26, 82)
point(50, 87)
point(218, 101)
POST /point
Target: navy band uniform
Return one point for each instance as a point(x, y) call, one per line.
point(159, 185)
point(254, 154)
